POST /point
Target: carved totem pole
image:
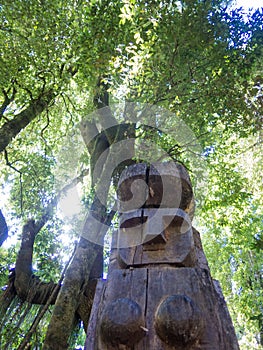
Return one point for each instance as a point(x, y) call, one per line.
point(159, 294)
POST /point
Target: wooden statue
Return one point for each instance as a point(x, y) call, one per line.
point(159, 294)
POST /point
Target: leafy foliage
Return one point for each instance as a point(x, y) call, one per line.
point(233, 232)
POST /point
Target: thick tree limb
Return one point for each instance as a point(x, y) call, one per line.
point(28, 286)
point(78, 279)
point(96, 144)
point(11, 128)
point(25, 342)
point(7, 297)
point(106, 118)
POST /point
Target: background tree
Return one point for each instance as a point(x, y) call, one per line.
point(58, 63)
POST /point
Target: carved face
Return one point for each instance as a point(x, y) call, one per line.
point(151, 226)
point(154, 236)
point(154, 206)
point(165, 185)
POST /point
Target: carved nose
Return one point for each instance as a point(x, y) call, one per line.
point(149, 226)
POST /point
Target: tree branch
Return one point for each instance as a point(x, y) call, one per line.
point(7, 101)
point(7, 297)
point(28, 286)
point(12, 127)
point(96, 144)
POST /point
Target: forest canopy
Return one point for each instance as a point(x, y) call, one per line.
point(178, 80)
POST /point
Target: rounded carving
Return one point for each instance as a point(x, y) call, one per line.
point(178, 321)
point(122, 322)
point(164, 185)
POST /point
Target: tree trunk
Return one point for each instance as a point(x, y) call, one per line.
point(28, 286)
point(64, 315)
point(77, 276)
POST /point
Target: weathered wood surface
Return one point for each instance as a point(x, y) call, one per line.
point(92, 331)
point(122, 284)
point(132, 256)
point(159, 294)
point(178, 250)
point(203, 314)
point(165, 185)
point(124, 258)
